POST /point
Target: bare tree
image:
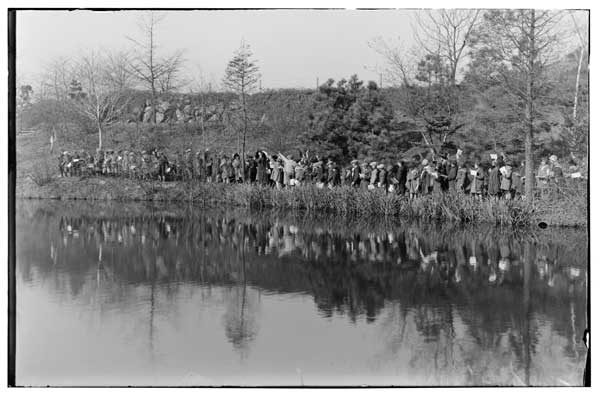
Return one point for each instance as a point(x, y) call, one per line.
point(445, 33)
point(102, 99)
point(53, 92)
point(399, 68)
point(171, 80)
point(147, 66)
point(433, 109)
point(117, 70)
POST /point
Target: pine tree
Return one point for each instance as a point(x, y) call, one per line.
point(349, 120)
point(242, 76)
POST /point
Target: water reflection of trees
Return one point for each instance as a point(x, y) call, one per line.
point(493, 281)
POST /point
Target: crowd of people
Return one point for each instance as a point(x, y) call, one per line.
point(497, 177)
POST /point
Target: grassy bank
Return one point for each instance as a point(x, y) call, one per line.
point(343, 201)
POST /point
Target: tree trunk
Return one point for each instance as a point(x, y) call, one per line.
point(529, 176)
point(153, 106)
point(99, 135)
point(577, 85)
point(573, 143)
point(244, 139)
point(203, 130)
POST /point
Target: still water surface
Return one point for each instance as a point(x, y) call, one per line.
point(167, 295)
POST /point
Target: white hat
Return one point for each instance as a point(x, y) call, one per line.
point(373, 164)
point(425, 162)
point(553, 158)
point(380, 166)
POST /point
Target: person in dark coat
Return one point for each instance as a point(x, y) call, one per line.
point(347, 175)
point(261, 168)
point(439, 178)
point(402, 176)
point(399, 173)
point(452, 174)
point(494, 180)
point(208, 166)
point(518, 181)
point(462, 178)
point(333, 175)
point(251, 169)
point(199, 167)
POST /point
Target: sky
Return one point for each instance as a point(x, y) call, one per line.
point(293, 47)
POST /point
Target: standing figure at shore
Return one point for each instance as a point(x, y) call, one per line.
point(276, 170)
point(462, 178)
point(477, 180)
point(382, 179)
point(425, 177)
point(208, 166)
point(365, 175)
point(288, 168)
point(354, 174)
point(250, 175)
point(374, 174)
point(506, 186)
point(494, 180)
point(414, 181)
point(261, 168)
point(400, 175)
point(518, 181)
point(236, 168)
point(452, 174)
point(216, 175)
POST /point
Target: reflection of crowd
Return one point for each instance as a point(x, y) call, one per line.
point(455, 259)
point(443, 283)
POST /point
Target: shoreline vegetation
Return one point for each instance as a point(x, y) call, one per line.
point(563, 210)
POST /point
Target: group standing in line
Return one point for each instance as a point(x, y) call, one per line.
point(497, 178)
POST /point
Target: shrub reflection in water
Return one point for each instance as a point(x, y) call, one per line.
point(474, 306)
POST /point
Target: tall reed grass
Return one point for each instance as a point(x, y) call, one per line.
point(564, 209)
point(352, 202)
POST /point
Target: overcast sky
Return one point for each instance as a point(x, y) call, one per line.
point(292, 47)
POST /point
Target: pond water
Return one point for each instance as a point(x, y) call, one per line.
point(132, 294)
